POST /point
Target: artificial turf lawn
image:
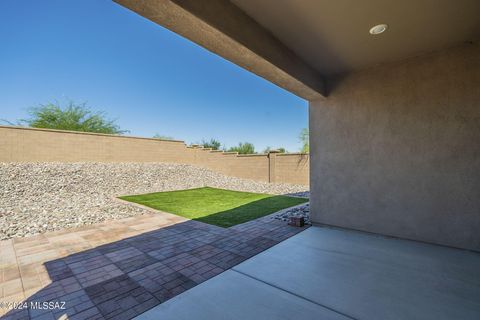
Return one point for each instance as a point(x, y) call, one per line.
point(223, 208)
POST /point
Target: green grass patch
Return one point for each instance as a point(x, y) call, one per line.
point(223, 208)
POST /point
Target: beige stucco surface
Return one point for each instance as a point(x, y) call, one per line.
point(332, 36)
point(395, 149)
point(224, 29)
point(40, 145)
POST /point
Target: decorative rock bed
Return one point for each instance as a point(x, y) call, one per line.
point(302, 210)
point(40, 197)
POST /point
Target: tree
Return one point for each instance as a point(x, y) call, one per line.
point(280, 150)
point(74, 117)
point(304, 139)
point(243, 148)
point(162, 137)
point(213, 143)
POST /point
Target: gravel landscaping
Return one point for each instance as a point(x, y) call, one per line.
point(299, 211)
point(40, 197)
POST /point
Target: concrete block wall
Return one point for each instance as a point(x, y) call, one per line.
point(19, 144)
point(293, 167)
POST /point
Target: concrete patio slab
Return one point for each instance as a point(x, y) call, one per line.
point(356, 275)
point(232, 295)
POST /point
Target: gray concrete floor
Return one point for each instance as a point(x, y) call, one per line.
point(325, 273)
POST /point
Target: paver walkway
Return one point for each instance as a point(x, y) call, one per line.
point(119, 269)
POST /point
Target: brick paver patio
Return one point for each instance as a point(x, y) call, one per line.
point(119, 269)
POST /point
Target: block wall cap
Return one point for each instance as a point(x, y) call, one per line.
point(88, 133)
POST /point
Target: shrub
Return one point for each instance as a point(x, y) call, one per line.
point(74, 117)
point(213, 143)
point(243, 148)
point(162, 137)
point(304, 139)
point(280, 149)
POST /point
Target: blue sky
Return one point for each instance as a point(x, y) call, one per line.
point(148, 78)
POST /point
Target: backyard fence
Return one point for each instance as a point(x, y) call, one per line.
point(19, 144)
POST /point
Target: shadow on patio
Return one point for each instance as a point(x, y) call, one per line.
point(124, 278)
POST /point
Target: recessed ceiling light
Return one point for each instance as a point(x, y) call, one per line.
point(379, 28)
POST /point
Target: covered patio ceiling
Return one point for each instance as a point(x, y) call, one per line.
point(333, 36)
point(299, 44)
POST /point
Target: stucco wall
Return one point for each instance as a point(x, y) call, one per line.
point(40, 145)
point(395, 150)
